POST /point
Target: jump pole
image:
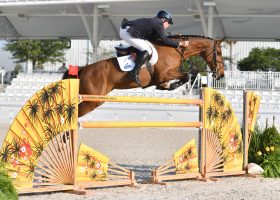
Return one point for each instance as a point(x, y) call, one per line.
point(137, 124)
point(101, 98)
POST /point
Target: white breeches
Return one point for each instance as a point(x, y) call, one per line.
point(140, 44)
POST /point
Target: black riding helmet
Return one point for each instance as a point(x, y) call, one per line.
point(166, 15)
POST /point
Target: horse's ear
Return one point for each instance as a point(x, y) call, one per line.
point(220, 41)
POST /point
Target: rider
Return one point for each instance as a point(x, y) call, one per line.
point(138, 32)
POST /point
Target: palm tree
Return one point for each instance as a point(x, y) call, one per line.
point(190, 151)
point(55, 89)
point(226, 157)
point(224, 146)
point(87, 157)
point(209, 113)
point(93, 175)
point(45, 97)
point(188, 154)
point(216, 130)
point(70, 112)
point(92, 164)
point(60, 108)
point(252, 107)
point(215, 114)
point(48, 113)
point(229, 111)
point(219, 100)
point(5, 154)
point(255, 99)
point(49, 132)
point(226, 115)
point(31, 169)
point(39, 148)
point(15, 147)
point(239, 149)
point(216, 97)
point(34, 110)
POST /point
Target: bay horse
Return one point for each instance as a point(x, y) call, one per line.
point(102, 77)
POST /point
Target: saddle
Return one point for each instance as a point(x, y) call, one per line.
point(125, 50)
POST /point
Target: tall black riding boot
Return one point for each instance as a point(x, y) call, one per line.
point(140, 60)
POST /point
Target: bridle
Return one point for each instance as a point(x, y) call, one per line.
point(213, 52)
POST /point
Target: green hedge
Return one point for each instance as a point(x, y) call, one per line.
point(7, 190)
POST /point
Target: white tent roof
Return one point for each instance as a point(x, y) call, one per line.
point(77, 19)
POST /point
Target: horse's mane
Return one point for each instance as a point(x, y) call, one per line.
point(178, 36)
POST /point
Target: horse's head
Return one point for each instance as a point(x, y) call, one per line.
point(208, 48)
point(214, 59)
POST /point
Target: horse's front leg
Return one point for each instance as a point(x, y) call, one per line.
point(172, 75)
point(179, 83)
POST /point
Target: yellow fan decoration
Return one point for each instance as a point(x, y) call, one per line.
point(92, 165)
point(50, 111)
point(221, 120)
point(186, 159)
point(254, 104)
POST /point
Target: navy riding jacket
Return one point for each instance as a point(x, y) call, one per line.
point(150, 29)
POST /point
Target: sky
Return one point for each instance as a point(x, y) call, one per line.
point(5, 58)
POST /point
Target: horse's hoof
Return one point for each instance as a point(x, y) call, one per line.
point(175, 85)
point(161, 88)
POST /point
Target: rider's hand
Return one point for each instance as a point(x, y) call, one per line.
point(184, 44)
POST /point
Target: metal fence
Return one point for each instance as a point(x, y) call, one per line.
point(247, 80)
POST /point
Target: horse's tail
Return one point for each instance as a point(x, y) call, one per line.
point(66, 74)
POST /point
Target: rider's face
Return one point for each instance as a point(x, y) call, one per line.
point(165, 24)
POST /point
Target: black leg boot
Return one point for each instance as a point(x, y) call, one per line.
point(140, 60)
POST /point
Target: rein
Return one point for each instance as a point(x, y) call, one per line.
point(182, 57)
point(182, 50)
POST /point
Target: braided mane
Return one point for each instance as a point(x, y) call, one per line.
point(177, 36)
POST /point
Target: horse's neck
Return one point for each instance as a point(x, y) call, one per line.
point(198, 46)
point(168, 53)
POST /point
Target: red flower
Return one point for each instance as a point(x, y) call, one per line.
point(25, 149)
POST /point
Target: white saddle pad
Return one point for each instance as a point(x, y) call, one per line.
point(126, 63)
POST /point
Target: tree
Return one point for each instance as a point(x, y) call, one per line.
point(230, 43)
point(18, 68)
point(195, 64)
point(102, 53)
point(37, 51)
point(264, 59)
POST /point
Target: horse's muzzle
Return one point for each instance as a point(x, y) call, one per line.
point(217, 76)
